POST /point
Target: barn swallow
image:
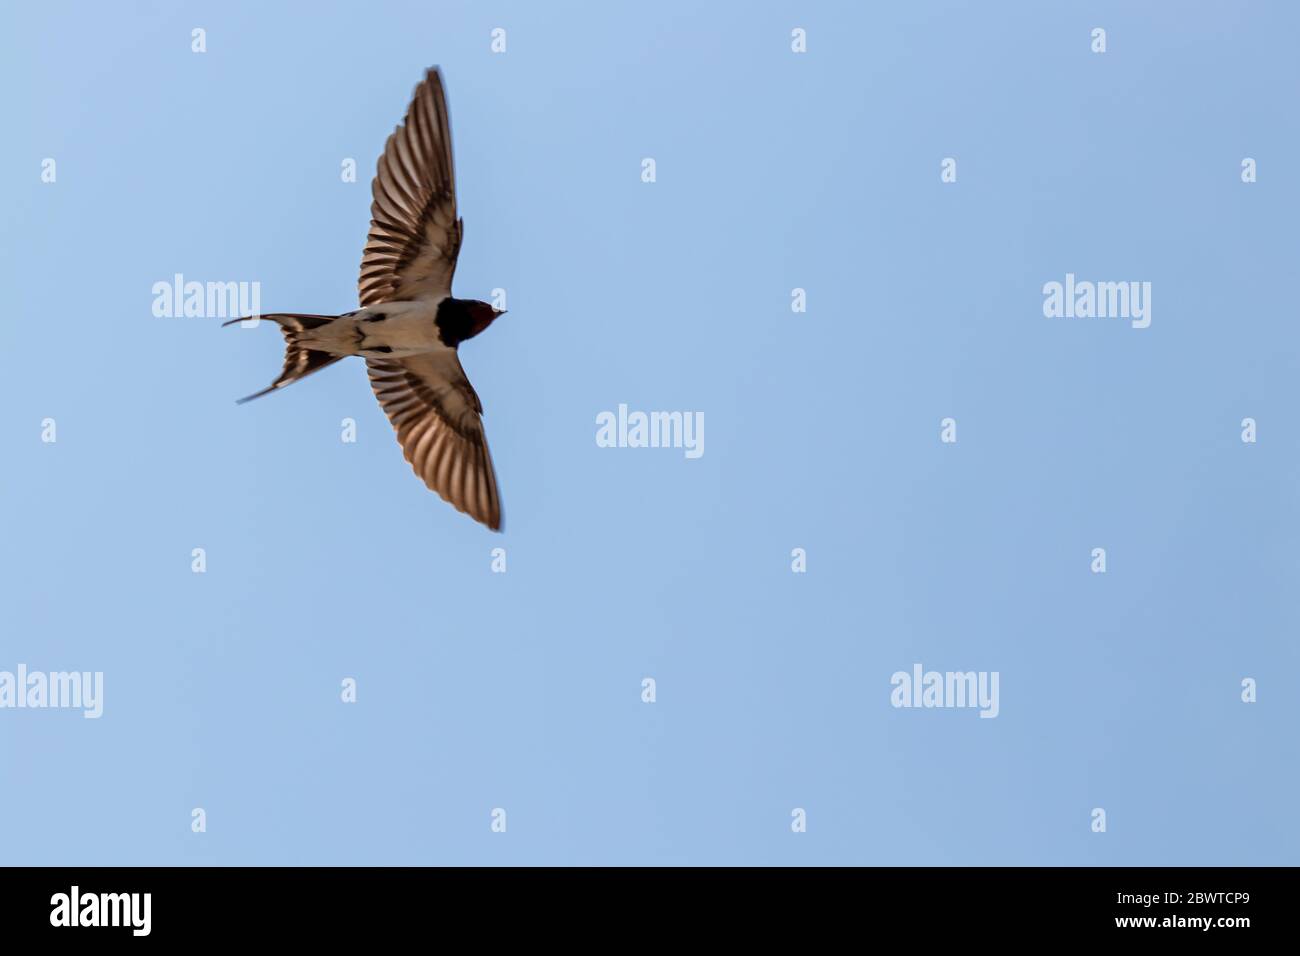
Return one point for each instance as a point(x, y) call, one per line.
point(409, 326)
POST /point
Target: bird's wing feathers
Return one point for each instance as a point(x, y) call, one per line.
point(414, 230)
point(411, 254)
point(436, 414)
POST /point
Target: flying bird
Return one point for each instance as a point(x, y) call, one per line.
point(410, 326)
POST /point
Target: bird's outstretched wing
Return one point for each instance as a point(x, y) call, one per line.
point(436, 414)
point(414, 231)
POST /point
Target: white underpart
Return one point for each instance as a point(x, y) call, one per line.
point(407, 328)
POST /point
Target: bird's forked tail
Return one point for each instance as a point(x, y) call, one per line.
point(299, 361)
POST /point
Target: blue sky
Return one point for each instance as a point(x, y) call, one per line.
point(774, 171)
